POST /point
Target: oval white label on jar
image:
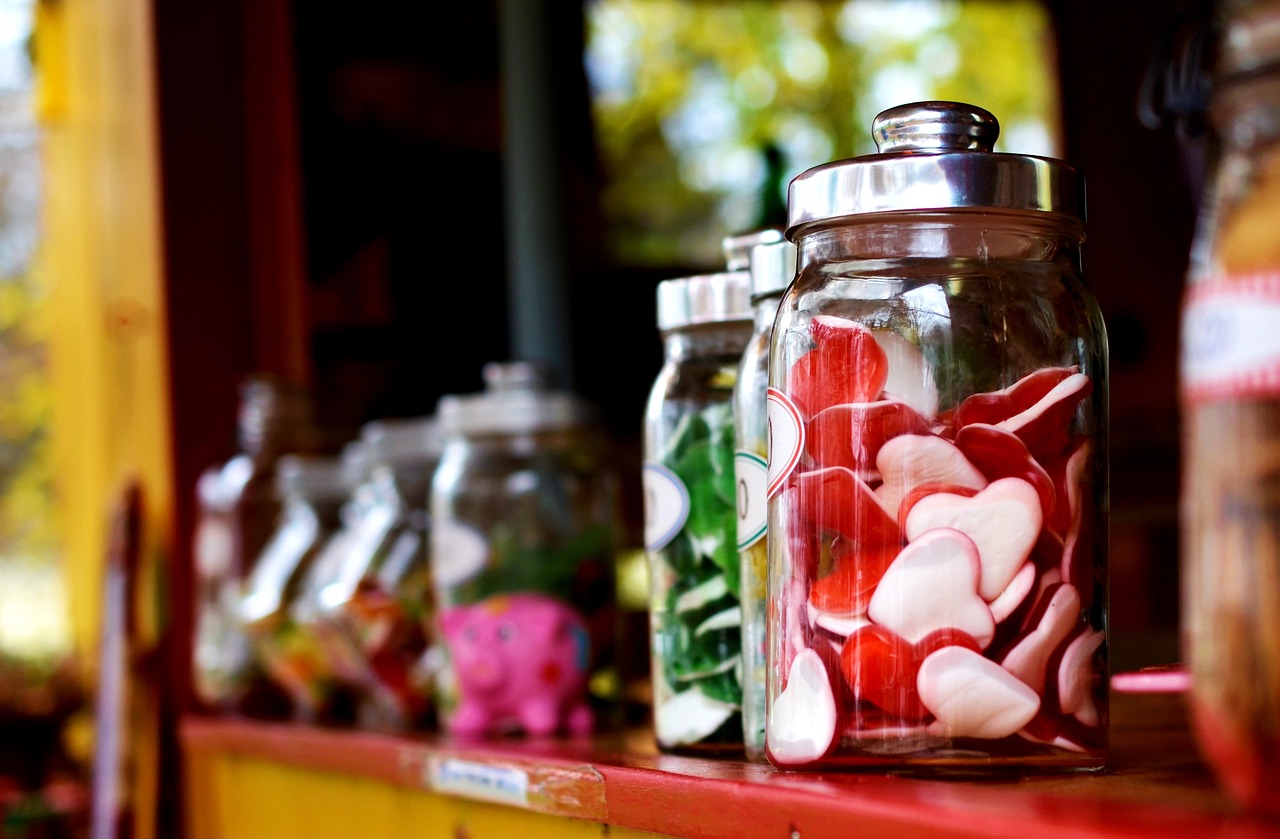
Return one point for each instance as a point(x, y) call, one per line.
point(786, 438)
point(666, 505)
point(459, 552)
point(751, 474)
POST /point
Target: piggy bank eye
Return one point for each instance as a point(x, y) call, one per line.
point(506, 632)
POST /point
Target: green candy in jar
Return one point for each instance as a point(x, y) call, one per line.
point(690, 514)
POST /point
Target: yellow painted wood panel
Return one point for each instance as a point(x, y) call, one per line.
point(237, 797)
point(101, 255)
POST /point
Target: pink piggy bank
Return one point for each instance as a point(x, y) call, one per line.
point(520, 661)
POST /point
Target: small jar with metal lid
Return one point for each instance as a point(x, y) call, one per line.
point(772, 265)
point(525, 522)
point(690, 511)
point(937, 479)
point(1230, 405)
point(372, 614)
point(315, 491)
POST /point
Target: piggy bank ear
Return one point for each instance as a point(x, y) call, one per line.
point(452, 621)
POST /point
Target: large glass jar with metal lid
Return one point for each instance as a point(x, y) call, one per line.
point(525, 521)
point(772, 266)
point(1230, 390)
point(938, 486)
point(372, 613)
point(690, 511)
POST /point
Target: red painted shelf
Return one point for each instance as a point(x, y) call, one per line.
point(1155, 784)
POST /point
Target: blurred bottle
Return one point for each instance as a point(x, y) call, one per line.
point(237, 505)
point(1230, 389)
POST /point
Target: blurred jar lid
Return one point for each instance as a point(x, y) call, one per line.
point(517, 399)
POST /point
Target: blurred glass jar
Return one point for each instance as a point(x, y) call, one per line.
point(772, 265)
point(237, 508)
point(373, 611)
point(1230, 389)
point(315, 490)
point(938, 484)
point(690, 512)
point(525, 523)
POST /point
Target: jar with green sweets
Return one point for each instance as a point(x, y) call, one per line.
point(690, 510)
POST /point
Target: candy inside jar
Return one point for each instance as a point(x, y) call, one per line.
point(937, 469)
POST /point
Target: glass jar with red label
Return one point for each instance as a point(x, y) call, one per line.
point(1230, 391)
point(938, 485)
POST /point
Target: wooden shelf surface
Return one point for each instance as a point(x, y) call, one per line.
point(1155, 784)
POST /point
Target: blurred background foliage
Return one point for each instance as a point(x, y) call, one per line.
point(705, 110)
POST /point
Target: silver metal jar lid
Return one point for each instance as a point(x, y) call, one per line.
point(707, 298)
point(737, 248)
point(933, 156)
point(517, 399)
point(773, 267)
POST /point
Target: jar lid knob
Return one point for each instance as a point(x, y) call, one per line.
point(930, 126)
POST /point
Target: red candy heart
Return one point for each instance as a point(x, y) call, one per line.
point(881, 667)
point(998, 453)
point(838, 501)
point(845, 365)
point(852, 434)
point(1045, 426)
point(846, 590)
point(999, 405)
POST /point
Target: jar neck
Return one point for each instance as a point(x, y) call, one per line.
point(707, 340)
point(955, 235)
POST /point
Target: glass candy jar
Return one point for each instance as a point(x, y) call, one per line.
point(372, 612)
point(1230, 391)
point(938, 485)
point(237, 509)
point(690, 511)
point(315, 491)
point(525, 520)
point(772, 265)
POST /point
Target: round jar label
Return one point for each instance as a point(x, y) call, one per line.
point(751, 473)
point(1230, 344)
point(666, 505)
point(459, 552)
point(786, 438)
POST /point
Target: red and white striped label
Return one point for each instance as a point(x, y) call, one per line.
point(1230, 342)
point(786, 438)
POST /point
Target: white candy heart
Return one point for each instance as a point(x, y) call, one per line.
point(843, 625)
point(1075, 678)
point(910, 374)
point(930, 585)
point(1014, 593)
point(1029, 657)
point(971, 696)
point(910, 460)
point(1003, 520)
point(802, 720)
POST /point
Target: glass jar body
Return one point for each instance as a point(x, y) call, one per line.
point(938, 498)
point(523, 536)
point(690, 537)
point(1230, 509)
point(750, 463)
